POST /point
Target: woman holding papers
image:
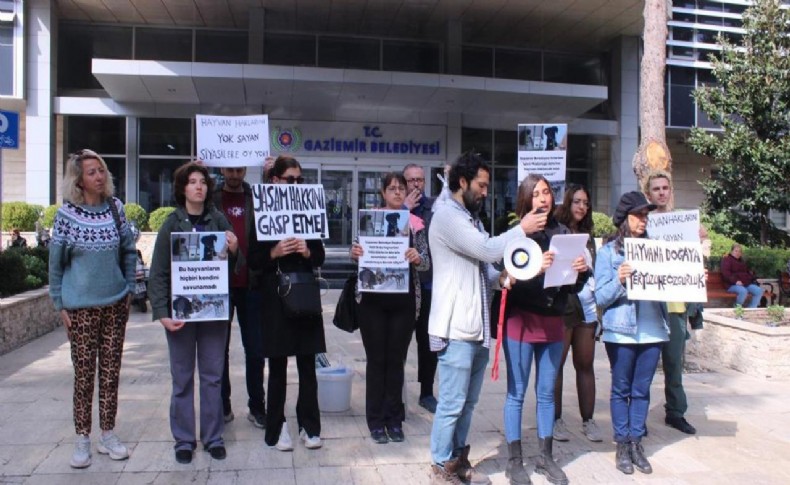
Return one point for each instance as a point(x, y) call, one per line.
point(581, 321)
point(283, 336)
point(387, 322)
point(185, 340)
point(633, 332)
point(534, 329)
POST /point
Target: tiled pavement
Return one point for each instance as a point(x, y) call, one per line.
point(743, 423)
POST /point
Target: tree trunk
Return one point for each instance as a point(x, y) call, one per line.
point(653, 152)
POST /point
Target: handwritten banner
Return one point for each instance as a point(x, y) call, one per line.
point(384, 237)
point(665, 270)
point(674, 226)
point(232, 141)
point(199, 276)
point(542, 149)
point(289, 210)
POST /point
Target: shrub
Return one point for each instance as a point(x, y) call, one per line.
point(603, 225)
point(32, 282)
point(766, 262)
point(157, 217)
point(49, 215)
point(20, 215)
point(137, 215)
point(12, 267)
point(35, 267)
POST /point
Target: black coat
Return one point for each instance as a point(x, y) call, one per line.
point(283, 336)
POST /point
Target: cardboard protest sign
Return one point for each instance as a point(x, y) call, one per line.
point(289, 210)
point(232, 141)
point(665, 270)
point(199, 276)
point(542, 149)
point(674, 226)
point(384, 237)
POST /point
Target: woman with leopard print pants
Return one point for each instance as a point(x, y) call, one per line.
point(92, 259)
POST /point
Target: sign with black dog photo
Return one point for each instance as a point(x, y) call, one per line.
point(199, 276)
point(384, 237)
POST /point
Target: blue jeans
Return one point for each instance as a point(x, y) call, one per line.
point(742, 291)
point(518, 356)
point(633, 367)
point(462, 368)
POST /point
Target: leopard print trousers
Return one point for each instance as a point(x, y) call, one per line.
point(97, 331)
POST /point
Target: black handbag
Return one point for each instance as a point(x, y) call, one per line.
point(346, 318)
point(300, 293)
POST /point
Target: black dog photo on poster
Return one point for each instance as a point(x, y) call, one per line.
point(199, 246)
point(200, 307)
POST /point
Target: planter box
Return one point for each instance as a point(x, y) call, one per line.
point(26, 316)
point(751, 348)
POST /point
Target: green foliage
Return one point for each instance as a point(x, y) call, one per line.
point(12, 267)
point(20, 215)
point(739, 312)
point(743, 230)
point(750, 101)
point(602, 225)
point(720, 244)
point(137, 215)
point(157, 217)
point(766, 262)
point(35, 266)
point(48, 219)
point(32, 282)
point(776, 313)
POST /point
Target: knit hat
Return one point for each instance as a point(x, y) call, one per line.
point(629, 203)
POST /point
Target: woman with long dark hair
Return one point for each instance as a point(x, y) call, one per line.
point(581, 320)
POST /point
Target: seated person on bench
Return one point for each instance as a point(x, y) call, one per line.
point(741, 279)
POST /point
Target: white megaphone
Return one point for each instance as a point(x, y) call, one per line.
point(523, 258)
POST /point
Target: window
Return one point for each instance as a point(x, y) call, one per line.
point(156, 182)
point(517, 64)
point(477, 61)
point(289, 49)
point(79, 44)
point(572, 69)
point(106, 136)
point(346, 53)
point(165, 136)
point(411, 57)
point(165, 145)
point(7, 59)
point(163, 44)
point(221, 46)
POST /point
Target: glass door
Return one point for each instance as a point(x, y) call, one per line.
point(338, 190)
point(369, 196)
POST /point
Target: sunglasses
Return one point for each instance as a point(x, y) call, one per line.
point(293, 180)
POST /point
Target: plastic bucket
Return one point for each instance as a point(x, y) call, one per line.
point(334, 388)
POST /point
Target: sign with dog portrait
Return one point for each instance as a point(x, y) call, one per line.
point(542, 150)
point(232, 141)
point(289, 210)
point(674, 226)
point(665, 271)
point(199, 276)
point(384, 237)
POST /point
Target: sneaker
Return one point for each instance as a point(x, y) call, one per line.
point(218, 452)
point(310, 442)
point(560, 431)
point(229, 417)
point(591, 431)
point(395, 434)
point(379, 436)
point(184, 456)
point(680, 424)
point(259, 420)
point(429, 403)
point(284, 442)
point(110, 444)
point(81, 458)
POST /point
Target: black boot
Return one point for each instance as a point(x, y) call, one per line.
point(623, 459)
point(545, 464)
point(515, 465)
point(638, 458)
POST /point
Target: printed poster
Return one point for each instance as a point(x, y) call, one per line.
point(674, 226)
point(232, 141)
point(289, 210)
point(199, 276)
point(542, 149)
point(384, 237)
point(665, 270)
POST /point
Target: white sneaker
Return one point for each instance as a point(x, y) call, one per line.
point(110, 444)
point(310, 442)
point(284, 442)
point(560, 432)
point(591, 431)
point(81, 458)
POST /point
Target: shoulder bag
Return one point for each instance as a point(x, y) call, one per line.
point(300, 293)
point(346, 310)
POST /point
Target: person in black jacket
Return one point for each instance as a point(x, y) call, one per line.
point(534, 328)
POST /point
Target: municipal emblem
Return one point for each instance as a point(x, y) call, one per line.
point(286, 139)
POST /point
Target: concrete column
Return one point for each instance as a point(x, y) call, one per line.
point(454, 122)
point(132, 160)
point(453, 47)
point(255, 34)
point(625, 104)
point(41, 65)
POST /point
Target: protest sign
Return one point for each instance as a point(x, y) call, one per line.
point(566, 248)
point(289, 210)
point(199, 276)
point(542, 149)
point(674, 226)
point(384, 237)
point(232, 141)
point(665, 270)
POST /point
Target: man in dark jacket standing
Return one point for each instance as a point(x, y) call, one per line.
point(234, 198)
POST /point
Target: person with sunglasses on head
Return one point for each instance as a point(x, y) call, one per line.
point(386, 324)
point(92, 262)
point(284, 337)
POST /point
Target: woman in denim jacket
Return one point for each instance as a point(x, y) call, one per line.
point(633, 332)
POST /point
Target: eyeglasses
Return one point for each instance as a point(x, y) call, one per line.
point(585, 203)
point(416, 180)
point(293, 180)
point(396, 188)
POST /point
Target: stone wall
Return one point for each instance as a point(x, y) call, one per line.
point(24, 317)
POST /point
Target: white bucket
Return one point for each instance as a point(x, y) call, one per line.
point(334, 388)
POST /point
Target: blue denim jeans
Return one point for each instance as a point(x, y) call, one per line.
point(742, 291)
point(462, 368)
point(633, 367)
point(518, 356)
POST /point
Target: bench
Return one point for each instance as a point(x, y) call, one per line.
point(717, 290)
point(784, 287)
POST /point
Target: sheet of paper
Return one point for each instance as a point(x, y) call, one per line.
point(566, 247)
point(384, 237)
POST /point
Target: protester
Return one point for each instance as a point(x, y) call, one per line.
point(282, 336)
point(422, 206)
point(192, 186)
point(92, 261)
point(233, 198)
point(633, 333)
point(741, 279)
point(459, 326)
point(386, 324)
point(534, 329)
point(17, 241)
point(581, 322)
